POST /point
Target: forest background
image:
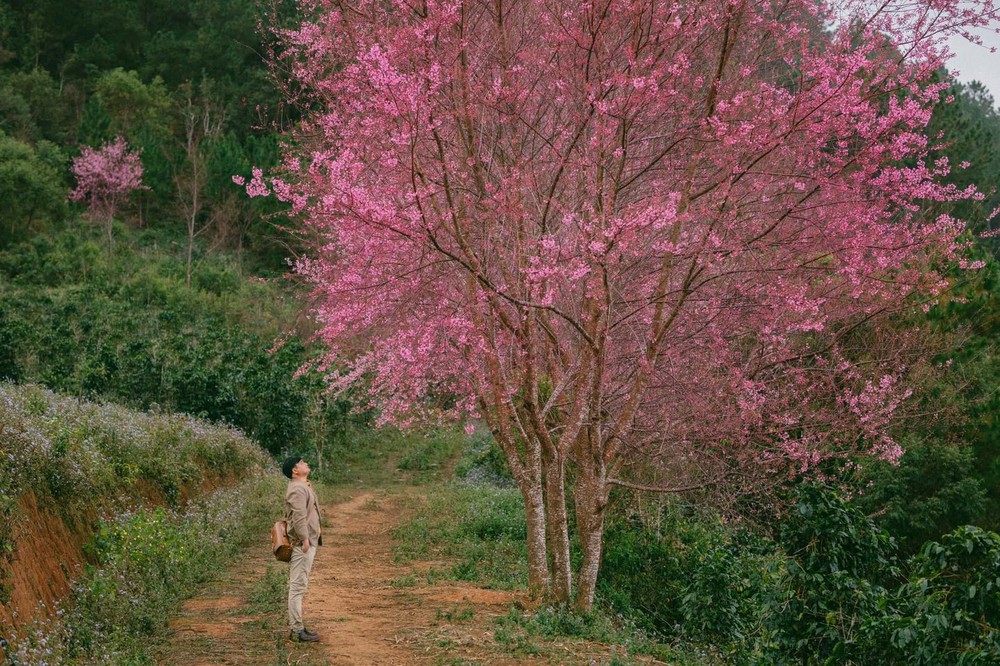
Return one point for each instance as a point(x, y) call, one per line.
point(193, 309)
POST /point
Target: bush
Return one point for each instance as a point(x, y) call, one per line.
point(684, 577)
point(844, 599)
point(838, 563)
point(951, 602)
point(127, 328)
point(830, 591)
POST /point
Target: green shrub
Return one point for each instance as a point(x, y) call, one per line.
point(837, 569)
point(950, 605)
point(127, 328)
point(685, 577)
point(830, 592)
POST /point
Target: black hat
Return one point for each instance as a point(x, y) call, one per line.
point(289, 465)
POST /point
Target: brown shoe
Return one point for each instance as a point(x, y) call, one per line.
point(304, 636)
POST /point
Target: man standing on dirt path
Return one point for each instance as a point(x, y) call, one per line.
point(302, 516)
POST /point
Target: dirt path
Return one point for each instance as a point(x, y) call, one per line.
point(366, 608)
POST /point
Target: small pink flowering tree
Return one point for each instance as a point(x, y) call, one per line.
point(625, 234)
point(105, 177)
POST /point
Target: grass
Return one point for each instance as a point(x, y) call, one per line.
point(389, 457)
point(251, 622)
point(521, 632)
point(457, 614)
point(481, 529)
point(268, 599)
point(269, 594)
point(406, 580)
point(453, 661)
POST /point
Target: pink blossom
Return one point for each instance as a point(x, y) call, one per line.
point(558, 223)
point(105, 176)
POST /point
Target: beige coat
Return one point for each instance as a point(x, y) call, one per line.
point(302, 512)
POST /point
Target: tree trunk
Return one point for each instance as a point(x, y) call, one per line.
point(557, 527)
point(538, 566)
point(193, 219)
point(190, 251)
point(110, 228)
point(591, 503)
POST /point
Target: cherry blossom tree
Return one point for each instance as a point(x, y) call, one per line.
point(105, 177)
point(624, 231)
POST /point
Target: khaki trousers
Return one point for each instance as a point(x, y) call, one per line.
point(298, 580)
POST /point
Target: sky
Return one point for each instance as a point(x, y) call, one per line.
point(976, 63)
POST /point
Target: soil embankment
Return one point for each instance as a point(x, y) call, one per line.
point(47, 556)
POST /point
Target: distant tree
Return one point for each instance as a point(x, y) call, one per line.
point(967, 131)
point(132, 104)
point(934, 489)
point(104, 178)
point(32, 190)
point(32, 107)
point(203, 123)
point(15, 113)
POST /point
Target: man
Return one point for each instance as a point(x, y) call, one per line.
point(302, 516)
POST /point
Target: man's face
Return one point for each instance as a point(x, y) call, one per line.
point(301, 469)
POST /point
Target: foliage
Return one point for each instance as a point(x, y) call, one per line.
point(32, 192)
point(968, 129)
point(845, 598)
point(32, 108)
point(951, 602)
point(80, 453)
point(147, 561)
point(679, 584)
point(215, 39)
point(125, 327)
point(972, 314)
point(949, 475)
point(132, 104)
point(65, 79)
point(686, 576)
point(482, 528)
point(436, 450)
point(838, 566)
point(483, 462)
point(934, 489)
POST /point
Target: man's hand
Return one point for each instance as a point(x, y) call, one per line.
point(305, 546)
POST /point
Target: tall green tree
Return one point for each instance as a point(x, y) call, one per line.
point(32, 187)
